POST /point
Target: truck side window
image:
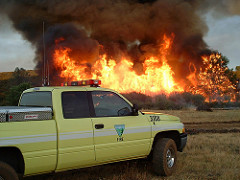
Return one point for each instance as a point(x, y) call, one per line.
point(36, 99)
point(109, 104)
point(75, 104)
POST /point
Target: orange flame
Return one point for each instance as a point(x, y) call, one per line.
point(212, 81)
point(192, 77)
point(157, 77)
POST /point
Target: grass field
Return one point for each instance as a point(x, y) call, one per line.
point(206, 156)
point(192, 116)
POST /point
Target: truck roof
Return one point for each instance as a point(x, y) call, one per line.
point(68, 88)
point(71, 88)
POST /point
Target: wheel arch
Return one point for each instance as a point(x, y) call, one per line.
point(173, 134)
point(13, 156)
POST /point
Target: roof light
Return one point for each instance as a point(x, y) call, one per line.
point(91, 82)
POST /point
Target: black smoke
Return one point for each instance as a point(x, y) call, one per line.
point(117, 25)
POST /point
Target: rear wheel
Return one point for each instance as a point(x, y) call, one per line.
point(164, 157)
point(7, 172)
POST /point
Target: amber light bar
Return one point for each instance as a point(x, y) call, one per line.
point(89, 82)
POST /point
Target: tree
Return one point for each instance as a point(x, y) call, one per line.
point(215, 80)
point(4, 87)
point(14, 93)
point(237, 72)
point(19, 76)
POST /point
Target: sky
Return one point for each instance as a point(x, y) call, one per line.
point(223, 35)
point(14, 50)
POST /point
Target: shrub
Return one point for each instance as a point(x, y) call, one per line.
point(13, 95)
point(164, 102)
point(143, 101)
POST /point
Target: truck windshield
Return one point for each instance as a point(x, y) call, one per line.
point(38, 99)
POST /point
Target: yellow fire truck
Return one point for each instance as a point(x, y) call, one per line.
point(80, 125)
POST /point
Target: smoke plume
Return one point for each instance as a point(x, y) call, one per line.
point(133, 28)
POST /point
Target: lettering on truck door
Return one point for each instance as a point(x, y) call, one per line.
point(117, 133)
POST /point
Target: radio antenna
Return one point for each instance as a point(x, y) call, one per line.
point(43, 70)
point(45, 75)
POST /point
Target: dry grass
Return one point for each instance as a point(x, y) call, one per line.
point(204, 116)
point(210, 156)
point(206, 156)
point(5, 75)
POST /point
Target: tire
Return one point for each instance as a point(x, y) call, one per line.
point(7, 172)
point(164, 157)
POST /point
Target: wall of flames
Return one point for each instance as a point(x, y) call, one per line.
point(157, 77)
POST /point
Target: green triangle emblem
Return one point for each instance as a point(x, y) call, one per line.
point(119, 129)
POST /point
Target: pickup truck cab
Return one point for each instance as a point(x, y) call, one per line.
point(61, 128)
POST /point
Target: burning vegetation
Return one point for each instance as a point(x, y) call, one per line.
point(210, 80)
point(147, 46)
point(156, 77)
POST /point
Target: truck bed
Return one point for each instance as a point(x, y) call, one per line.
point(21, 113)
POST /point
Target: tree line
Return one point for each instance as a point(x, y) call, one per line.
point(12, 88)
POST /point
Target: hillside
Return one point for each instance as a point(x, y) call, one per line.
point(8, 75)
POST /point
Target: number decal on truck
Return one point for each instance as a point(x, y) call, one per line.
point(119, 129)
point(155, 118)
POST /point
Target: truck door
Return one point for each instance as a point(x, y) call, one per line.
point(75, 133)
point(117, 133)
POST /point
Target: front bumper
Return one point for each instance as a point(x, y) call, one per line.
point(183, 141)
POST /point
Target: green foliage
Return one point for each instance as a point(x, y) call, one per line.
point(232, 76)
point(19, 76)
point(14, 93)
point(4, 87)
point(10, 89)
point(224, 60)
point(237, 72)
point(2, 99)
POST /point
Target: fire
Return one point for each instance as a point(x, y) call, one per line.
point(157, 77)
point(192, 77)
point(69, 69)
point(208, 80)
point(212, 81)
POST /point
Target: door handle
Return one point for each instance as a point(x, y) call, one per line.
point(99, 126)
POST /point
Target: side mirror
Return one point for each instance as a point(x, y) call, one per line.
point(135, 110)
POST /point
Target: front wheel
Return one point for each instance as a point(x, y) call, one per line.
point(164, 157)
point(7, 172)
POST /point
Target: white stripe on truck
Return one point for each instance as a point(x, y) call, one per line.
point(14, 140)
